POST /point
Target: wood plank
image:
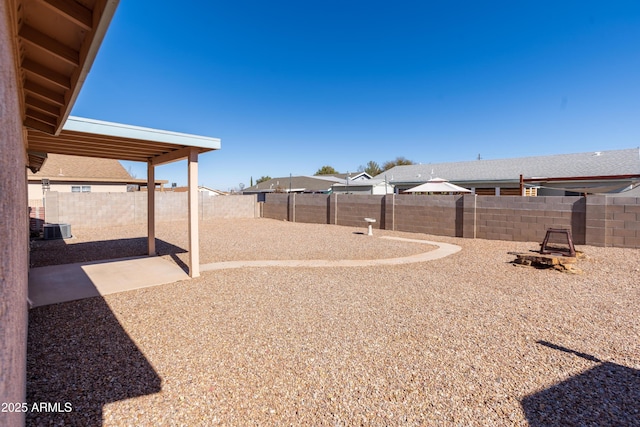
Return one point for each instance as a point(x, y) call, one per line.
point(39, 104)
point(172, 156)
point(43, 117)
point(35, 124)
point(88, 149)
point(52, 46)
point(73, 11)
point(43, 92)
point(46, 73)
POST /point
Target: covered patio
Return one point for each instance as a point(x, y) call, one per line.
point(57, 42)
point(95, 138)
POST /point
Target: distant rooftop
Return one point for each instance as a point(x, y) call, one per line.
point(598, 163)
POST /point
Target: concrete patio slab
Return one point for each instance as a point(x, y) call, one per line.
point(69, 282)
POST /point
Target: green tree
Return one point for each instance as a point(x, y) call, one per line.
point(399, 161)
point(326, 170)
point(373, 168)
point(263, 179)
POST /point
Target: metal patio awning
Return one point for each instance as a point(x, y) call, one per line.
point(96, 138)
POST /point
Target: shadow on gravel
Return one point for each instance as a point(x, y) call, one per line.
point(55, 252)
point(605, 395)
point(79, 358)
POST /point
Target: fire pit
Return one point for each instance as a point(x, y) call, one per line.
point(551, 255)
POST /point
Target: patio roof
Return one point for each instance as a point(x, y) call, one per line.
point(56, 44)
point(96, 138)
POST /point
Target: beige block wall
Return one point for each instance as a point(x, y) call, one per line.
point(116, 209)
point(13, 234)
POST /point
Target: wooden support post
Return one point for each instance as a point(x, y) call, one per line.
point(194, 248)
point(522, 185)
point(151, 209)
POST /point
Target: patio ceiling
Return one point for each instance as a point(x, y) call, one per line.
point(56, 42)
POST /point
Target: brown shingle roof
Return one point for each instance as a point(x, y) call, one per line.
point(62, 167)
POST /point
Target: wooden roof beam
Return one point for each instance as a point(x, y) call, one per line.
point(105, 142)
point(52, 46)
point(73, 11)
point(140, 156)
point(46, 73)
point(43, 92)
point(40, 105)
point(38, 125)
point(45, 118)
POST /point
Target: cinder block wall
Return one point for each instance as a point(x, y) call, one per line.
point(312, 208)
point(276, 206)
point(171, 206)
point(228, 206)
point(528, 218)
point(595, 220)
point(14, 229)
point(84, 210)
point(352, 209)
point(91, 209)
point(436, 215)
point(623, 222)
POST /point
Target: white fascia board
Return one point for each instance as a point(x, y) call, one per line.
point(99, 127)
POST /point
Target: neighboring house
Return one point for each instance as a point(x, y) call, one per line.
point(77, 174)
point(364, 186)
point(609, 172)
point(202, 189)
point(306, 184)
point(211, 192)
point(294, 184)
point(74, 174)
point(354, 176)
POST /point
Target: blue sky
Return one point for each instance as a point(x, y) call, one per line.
point(290, 86)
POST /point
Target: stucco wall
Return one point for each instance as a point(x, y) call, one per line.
point(13, 234)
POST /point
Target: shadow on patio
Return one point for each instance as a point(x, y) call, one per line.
point(56, 252)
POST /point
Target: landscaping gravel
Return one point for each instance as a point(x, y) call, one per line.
point(466, 340)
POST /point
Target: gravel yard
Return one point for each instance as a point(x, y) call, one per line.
point(469, 339)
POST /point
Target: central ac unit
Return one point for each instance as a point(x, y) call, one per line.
point(56, 231)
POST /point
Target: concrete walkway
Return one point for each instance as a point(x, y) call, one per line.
point(444, 249)
point(69, 282)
